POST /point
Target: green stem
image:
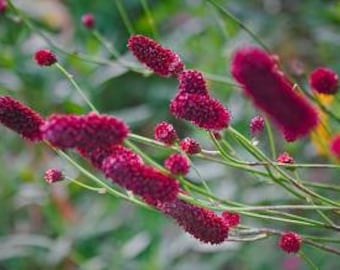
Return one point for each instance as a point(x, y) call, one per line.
point(270, 139)
point(124, 16)
point(151, 21)
point(99, 190)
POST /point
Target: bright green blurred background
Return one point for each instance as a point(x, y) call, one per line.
point(65, 227)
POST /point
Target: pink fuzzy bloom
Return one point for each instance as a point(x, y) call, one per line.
point(201, 223)
point(165, 132)
point(256, 125)
point(126, 170)
point(232, 219)
point(177, 164)
point(192, 82)
point(161, 60)
point(3, 6)
point(190, 146)
point(290, 242)
point(203, 111)
point(53, 175)
point(45, 57)
point(335, 145)
point(285, 158)
point(88, 20)
point(20, 118)
point(271, 91)
point(324, 80)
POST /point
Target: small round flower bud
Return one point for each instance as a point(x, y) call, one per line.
point(335, 146)
point(256, 126)
point(324, 80)
point(3, 6)
point(165, 133)
point(285, 158)
point(177, 164)
point(53, 175)
point(290, 242)
point(232, 219)
point(190, 146)
point(88, 20)
point(45, 57)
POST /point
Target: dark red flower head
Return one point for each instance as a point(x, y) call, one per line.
point(177, 164)
point(272, 92)
point(290, 242)
point(232, 219)
point(256, 125)
point(165, 132)
point(45, 57)
point(161, 60)
point(88, 20)
point(192, 82)
point(53, 175)
point(203, 111)
point(20, 118)
point(335, 145)
point(285, 158)
point(3, 6)
point(324, 80)
point(190, 146)
point(201, 223)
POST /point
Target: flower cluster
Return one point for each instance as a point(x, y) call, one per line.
point(177, 164)
point(290, 242)
point(45, 57)
point(324, 80)
point(165, 133)
point(231, 218)
point(53, 175)
point(256, 125)
point(285, 158)
point(190, 146)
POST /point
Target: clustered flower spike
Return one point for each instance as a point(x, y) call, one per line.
point(231, 218)
point(165, 132)
point(272, 92)
point(53, 175)
point(190, 146)
point(159, 59)
point(290, 242)
point(201, 223)
point(88, 20)
point(335, 145)
point(192, 82)
point(3, 6)
point(285, 158)
point(20, 118)
point(256, 126)
point(45, 57)
point(324, 80)
point(177, 164)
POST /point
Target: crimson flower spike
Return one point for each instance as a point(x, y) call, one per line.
point(272, 92)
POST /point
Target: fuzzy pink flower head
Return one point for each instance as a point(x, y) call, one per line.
point(45, 57)
point(190, 146)
point(272, 92)
point(290, 242)
point(231, 218)
point(20, 118)
point(88, 20)
point(285, 158)
point(201, 223)
point(256, 126)
point(3, 6)
point(165, 132)
point(160, 60)
point(177, 164)
point(324, 80)
point(53, 175)
point(202, 111)
point(192, 82)
point(335, 145)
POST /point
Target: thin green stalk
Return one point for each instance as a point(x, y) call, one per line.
point(99, 190)
point(124, 16)
point(308, 261)
point(149, 16)
point(270, 138)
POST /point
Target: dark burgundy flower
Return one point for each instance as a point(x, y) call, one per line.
point(190, 146)
point(53, 175)
point(256, 125)
point(335, 145)
point(161, 60)
point(192, 82)
point(165, 132)
point(88, 20)
point(285, 158)
point(20, 118)
point(3, 6)
point(201, 223)
point(203, 111)
point(290, 242)
point(272, 92)
point(177, 164)
point(45, 57)
point(324, 80)
point(232, 219)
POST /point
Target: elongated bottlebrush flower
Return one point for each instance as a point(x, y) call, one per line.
point(201, 223)
point(290, 242)
point(45, 57)
point(177, 164)
point(165, 132)
point(20, 118)
point(324, 80)
point(192, 82)
point(190, 146)
point(159, 59)
point(271, 91)
point(53, 175)
point(335, 146)
point(203, 111)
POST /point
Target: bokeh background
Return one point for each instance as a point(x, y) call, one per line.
point(65, 227)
